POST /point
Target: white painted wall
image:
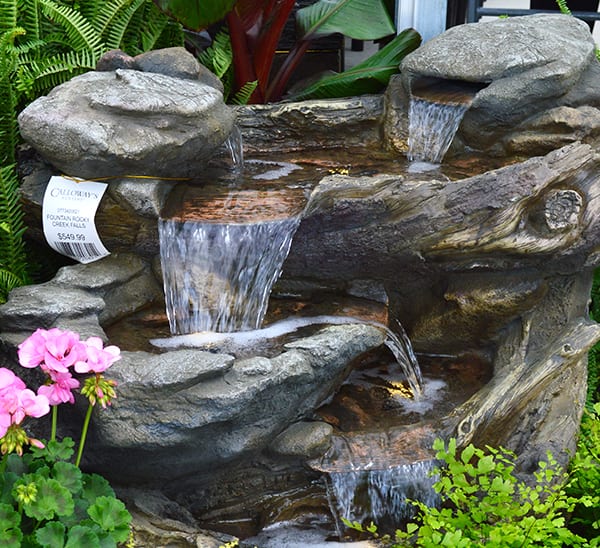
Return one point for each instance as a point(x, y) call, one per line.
point(427, 17)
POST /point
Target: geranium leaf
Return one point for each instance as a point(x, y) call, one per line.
point(111, 515)
point(51, 535)
point(52, 499)
point(95, 486)
point(81, 535)
point(68, 475)
point(55, 450)
point(9, 518)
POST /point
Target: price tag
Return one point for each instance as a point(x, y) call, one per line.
point(68, 212)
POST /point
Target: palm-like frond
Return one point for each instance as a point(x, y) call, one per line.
point(148, 29)
point(8, 15)
point(218, 57)
point(370, 76)
point(243, 95)
point(8, 97)
point(29, 18)
point(8, 281)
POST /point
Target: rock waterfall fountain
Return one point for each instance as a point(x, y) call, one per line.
point(495, 261)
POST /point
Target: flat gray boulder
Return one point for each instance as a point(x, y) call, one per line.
point(128, 122)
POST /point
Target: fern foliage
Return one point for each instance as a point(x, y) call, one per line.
point(218, 58)
point(562, 6)
point(13, 261)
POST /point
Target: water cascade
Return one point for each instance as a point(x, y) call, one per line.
point(222, 246)
point(235, 147)
point(218, 277)
point(381, 496)
point(432, 127)
point(435, 112)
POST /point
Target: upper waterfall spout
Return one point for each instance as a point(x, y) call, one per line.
point(436, 110)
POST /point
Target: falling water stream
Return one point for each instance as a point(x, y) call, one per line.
point(218, 277)
point(435, 112)
point(432, 127)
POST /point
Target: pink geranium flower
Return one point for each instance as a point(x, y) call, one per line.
point(33, 349)
point(18, 402)
point(98, 359)
point(61, 388)
point(52, 350)
point(9, 381)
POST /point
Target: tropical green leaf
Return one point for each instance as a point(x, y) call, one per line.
point(370, 76)
point(196, 14)
point(358, 19)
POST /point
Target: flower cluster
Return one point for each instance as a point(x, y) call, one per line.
point(58, 354)
point(56, 351)
point(17, 402)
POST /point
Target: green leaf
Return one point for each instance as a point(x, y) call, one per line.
point(68, 475)
point(10, 520)
point(358, 19)
point(370, 76)
point(51, 535)
point(485, 464)
point(196, 14)
point(111, 515)
point(94, 487)
point(80, 536)
point(52, 500)
point(55, 450)
point(467, 453)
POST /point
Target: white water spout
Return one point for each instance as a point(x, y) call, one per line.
point(218, 277)
point(432, 127)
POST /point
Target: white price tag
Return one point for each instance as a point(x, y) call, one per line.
point(68, 212)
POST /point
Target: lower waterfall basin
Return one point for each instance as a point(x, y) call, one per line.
point(375, 395)
point(365, 410)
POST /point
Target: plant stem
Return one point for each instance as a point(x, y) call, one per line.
point(84, 430)
point(54, 422)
